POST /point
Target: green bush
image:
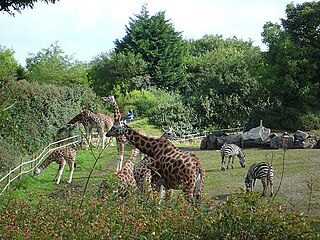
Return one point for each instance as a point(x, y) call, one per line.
point(42, 109)
point(310, 121)
point(181, 117)
point(243, 216)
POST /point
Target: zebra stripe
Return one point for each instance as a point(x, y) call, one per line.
point(229, 151)
point(263, 171)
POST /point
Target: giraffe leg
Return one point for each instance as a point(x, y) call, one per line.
point(60, 170)
point(120, 146)
point(71, 166)
point(88, 138)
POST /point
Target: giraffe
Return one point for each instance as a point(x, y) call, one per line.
point(125, 175)
point(176, 168)
point(169, 133)
point(108, 122)
point(144, 174)
point(89, 120)
point(121, 140)
point(60, 156)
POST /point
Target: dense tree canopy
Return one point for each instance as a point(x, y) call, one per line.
point(223, 80)
point(12, 6)
point(160, 46)
point(118, 73)
point(51, 65)
point(294, 62)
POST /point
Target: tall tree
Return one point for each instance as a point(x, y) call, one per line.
point(52, 65)
point(161, 47)
point(293, 59)
point(12, 6)
point(118, 73)
point(223, 80)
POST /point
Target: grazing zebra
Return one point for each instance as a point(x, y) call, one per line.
point(263, 171)
point(230, 151)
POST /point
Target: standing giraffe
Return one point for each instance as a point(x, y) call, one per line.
point(121, 139)
point(90, 120)
point(60, 156)
point(178, 169)
point(146, 178)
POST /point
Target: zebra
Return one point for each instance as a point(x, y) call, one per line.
point(263, 171)
point(230, 151)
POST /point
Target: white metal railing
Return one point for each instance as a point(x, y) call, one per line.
point(19, 171)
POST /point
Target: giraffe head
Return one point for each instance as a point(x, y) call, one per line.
point(109, 99)
point(37, 171)
point(169, 133)
point(116, 130)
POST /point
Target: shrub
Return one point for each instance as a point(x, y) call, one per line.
point(243, 216)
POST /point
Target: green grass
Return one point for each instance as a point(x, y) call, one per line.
point(301, 166)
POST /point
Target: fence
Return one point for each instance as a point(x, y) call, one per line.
point(198, 136)
point(19, 171)
point(32, 164)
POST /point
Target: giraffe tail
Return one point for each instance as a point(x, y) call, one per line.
point(198, 185)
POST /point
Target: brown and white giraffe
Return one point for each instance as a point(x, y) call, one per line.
point(121, 139)
point(89, 121)
point(176, 168)
point(126, 173)
point(60, 156)
point(125, 176)
point(146, 178)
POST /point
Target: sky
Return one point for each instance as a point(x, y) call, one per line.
point(84, 29)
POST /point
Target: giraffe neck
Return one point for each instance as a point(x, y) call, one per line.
point(145, 144)
point(77, 119)
point(116, 112)
point(45, 163)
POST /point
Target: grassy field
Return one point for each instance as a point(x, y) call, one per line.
point(299, 190)
point(296, 184)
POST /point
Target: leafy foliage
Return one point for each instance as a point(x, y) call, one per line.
point(223, 80)
point(8, 64)
point(42, 109)
point(160, 46)
point(10, 6)
point(118, 73)
point(293, 60)
point(136, 217)
point(52, 66)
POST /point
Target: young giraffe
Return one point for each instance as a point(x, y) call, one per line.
point(121, 139)
point(125, 176)
point(89, 120)
point(178, 169)
point(60, 156)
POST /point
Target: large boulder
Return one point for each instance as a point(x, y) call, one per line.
point(214, 142)
point(282, 141)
